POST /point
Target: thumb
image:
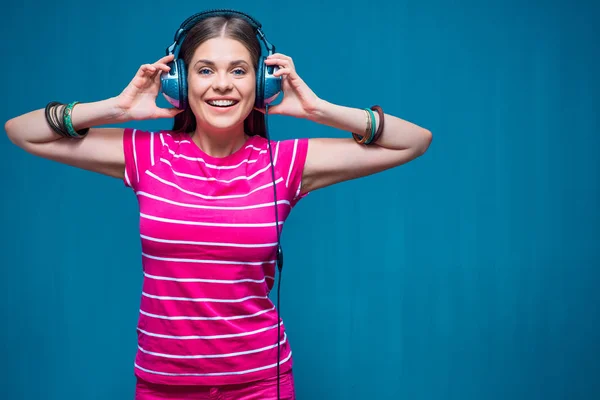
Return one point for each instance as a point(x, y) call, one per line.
point(167, 112)
point(274, 110)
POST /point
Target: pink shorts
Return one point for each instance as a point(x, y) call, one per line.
point(260, 390)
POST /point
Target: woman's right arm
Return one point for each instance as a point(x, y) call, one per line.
point(101, 149)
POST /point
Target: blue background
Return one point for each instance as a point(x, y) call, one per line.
point(470, 273)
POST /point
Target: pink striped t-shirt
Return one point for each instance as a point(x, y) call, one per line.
point(209, 244)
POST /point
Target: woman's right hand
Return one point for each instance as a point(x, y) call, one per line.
point(138, 99)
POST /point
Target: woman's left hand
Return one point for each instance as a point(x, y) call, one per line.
point(298, 99)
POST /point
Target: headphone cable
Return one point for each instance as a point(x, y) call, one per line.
point(279, 249)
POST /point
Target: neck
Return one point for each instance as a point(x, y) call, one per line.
point(220, 143)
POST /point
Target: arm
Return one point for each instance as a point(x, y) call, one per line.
point(101, 150)
point(331, 161)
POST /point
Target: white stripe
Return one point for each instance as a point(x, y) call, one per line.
point(182, 222)
point(198, 280)
point(203, 178)
point(152, 148)
point(251, 207)
point(276, 154)
point(186, 318)
point(203, 196)
point(242, 245)
point(199, 356)
point(187, 141)
point(178, 141)
point(135, 156)
point(127, 178)
point(193, 337)
point(203, 299)
point(225, 262)
point(245, 161)
point(291, 163)
point(248, 371)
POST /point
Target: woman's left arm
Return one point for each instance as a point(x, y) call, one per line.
point(330, 161)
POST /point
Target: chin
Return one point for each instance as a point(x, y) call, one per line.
point(224, 119)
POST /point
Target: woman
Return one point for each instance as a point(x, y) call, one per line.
point(207, 192)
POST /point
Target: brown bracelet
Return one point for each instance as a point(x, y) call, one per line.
point(380, 127)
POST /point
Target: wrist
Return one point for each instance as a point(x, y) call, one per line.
point(319, 112)
point(113, 111)
point(103, 112)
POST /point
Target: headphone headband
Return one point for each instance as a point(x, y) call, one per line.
point(191, 21)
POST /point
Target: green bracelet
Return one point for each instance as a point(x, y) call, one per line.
point(67, 120)
point(373, 126)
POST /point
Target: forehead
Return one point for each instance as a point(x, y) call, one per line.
point(222, 49)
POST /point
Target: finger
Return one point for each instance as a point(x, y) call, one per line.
point(166, 59)
point(282, 71)
point(162, 67)
point(280, 55)
point(148, 69)
point(278, 61)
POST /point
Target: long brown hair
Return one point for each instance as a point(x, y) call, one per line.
point(221, 26)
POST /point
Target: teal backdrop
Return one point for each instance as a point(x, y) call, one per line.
point(470, 273)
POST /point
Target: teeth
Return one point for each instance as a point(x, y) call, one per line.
point(221, 103)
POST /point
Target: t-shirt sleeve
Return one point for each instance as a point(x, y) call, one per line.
point(141, 150)
point(290, 163)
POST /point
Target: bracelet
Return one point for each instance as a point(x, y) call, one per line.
point(53, 120)
point(373, 127)
point(381, 121)
point(59, 119)
point(67, 119)
point(362, 139)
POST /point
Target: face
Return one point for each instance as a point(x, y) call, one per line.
point(221, 84)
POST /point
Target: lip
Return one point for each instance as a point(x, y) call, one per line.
point(222, 98)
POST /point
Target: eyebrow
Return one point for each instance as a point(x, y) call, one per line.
point(211, 63)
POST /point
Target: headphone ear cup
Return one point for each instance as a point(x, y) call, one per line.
point(183, 87)
point(260, 83)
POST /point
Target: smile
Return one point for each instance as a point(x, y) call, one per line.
point(222, 103)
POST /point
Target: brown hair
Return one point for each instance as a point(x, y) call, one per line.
point(209, 28)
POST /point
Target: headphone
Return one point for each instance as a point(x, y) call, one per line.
point(268, 87)
point(174, 83)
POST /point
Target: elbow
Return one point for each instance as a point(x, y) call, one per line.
point(8, 128)
point(426, 139)
point(11, 132)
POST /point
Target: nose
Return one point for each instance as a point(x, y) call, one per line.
point(222, 82)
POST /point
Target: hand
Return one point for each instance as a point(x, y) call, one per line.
point(138, 99)
point(298, 99)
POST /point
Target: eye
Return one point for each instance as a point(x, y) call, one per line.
point(239, 71)
point(204, 71)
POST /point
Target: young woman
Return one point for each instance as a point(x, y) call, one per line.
point(213, 193)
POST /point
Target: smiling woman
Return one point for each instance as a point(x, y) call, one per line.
point(221, 93)
point(213, 193)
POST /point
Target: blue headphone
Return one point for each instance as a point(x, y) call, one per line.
point(174, 83)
